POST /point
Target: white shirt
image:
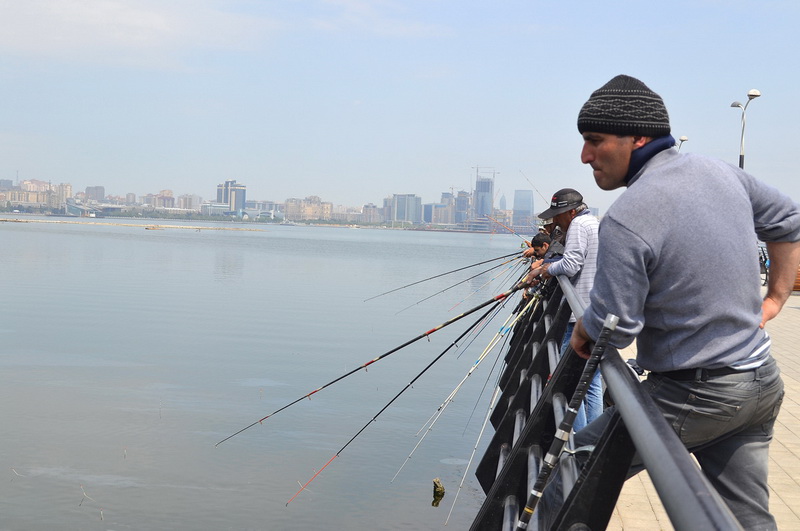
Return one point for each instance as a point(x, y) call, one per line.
point(579, 262)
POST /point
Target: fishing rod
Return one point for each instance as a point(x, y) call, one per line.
point(563, 431)
point(534, 187)
point(496, 298)
point(475, 292)
point(439, 275)
point(497, 390)
point(464, 348)
point(509, 322)
point(522, 308)
point(522, 301)
point(517, 257)
point(474, 449)
point(509, 229)
point(384, 408)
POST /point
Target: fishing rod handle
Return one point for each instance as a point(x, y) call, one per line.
point(598, 350)
point(563, 431)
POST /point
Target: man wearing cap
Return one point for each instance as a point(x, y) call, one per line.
point(579, 263)
point(693, 305)
point(554, 231)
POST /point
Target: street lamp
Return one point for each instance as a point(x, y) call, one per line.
point(681, 140)
point(751, 95)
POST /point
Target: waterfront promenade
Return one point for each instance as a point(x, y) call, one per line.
point(639, 508)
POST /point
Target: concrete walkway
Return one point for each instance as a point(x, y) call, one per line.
point(639, 508)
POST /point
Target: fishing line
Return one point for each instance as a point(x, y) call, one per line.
point(492, 402)
point(485, 383)
point(476, 332)
point(384, 408)
point(431, 421)
point(475, 337)
point(440, 275)
point(522, 301)
point(474, 449)
point(458, 283)
point(547, 201)
point(510, 271)
point(509, 322)
point(494, 299)
point(463, 349)
point(509, 229)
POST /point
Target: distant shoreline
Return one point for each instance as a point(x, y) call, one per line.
point(86, 221)
point(142, 225)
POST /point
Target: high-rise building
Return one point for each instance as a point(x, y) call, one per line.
point(483, 198)
point(446, 213)
point(190, 202)
point(371, 214)
point(95, 193)
point(58, 195)
point(407, 207)
point(523, 208)
point(308, 209)
point(34, 185)
point(232, 194)
point(462, 206)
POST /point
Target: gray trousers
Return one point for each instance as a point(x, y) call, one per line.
point(727, 423)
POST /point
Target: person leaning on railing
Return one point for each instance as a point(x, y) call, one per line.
point(578, 263)
point(693, 305)
point(543, 248)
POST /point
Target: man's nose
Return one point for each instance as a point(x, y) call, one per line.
point(587, 154)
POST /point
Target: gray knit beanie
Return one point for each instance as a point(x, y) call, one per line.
point(624, 106)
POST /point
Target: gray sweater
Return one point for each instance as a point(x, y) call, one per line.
point(678, 262)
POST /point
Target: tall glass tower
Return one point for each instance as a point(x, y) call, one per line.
point(522, 215)
point(483, 197)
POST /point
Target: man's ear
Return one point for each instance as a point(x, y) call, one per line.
point(639, 141)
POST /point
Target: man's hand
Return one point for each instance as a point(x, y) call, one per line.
point(783, 263)
point(539, 268)
point(769, 309)
point(580, 342)
point(530, 280)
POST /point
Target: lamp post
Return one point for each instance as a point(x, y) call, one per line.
point(681, 140)
point(751, 95)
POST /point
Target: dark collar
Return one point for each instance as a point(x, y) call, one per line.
point(640, 156)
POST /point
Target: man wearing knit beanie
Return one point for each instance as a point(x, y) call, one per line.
point(693, 306)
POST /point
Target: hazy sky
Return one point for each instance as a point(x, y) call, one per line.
point(353, 100)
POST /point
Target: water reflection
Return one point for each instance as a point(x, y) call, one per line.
point(228, 266)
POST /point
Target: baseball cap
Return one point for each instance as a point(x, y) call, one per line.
point(563, 200)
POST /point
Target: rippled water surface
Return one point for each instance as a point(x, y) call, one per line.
point(128, 353)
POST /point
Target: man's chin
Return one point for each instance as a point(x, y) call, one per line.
point(604, 183)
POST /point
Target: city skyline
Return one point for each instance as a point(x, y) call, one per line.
point(353, 100)
point(222, 194)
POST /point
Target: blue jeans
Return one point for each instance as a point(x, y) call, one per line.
point(592, 406)
point(727, 423)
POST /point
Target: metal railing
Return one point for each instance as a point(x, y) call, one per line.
point(536, 386)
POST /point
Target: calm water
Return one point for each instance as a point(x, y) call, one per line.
point(128, 353)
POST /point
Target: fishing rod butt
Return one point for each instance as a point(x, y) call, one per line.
point(611, 321)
